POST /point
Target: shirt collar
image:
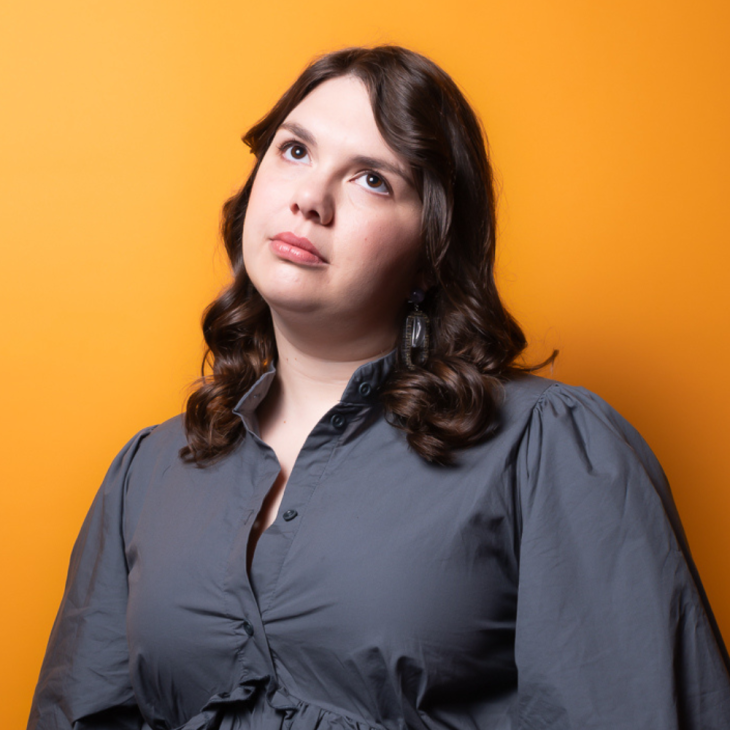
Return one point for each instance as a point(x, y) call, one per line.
point(361, 390)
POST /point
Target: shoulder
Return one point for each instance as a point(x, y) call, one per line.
point(524, 392)
point(157, 449)
point(572, 444)
point(549, 410)
point(151, 449)
point(578, 456)
point(160, 442)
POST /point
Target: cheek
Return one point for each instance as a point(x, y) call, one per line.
point(394, 232)
point(387, 261)
point(258, 211)
point(267, 192)
point(258, 203)
point(393, 243)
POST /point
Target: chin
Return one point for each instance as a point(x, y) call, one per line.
point(290, 302)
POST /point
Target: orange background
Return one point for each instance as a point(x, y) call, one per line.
point(119, 140)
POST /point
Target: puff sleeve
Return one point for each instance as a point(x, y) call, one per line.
point(84, 681)
point(613, 629)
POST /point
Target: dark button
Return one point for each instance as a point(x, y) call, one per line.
point(248, 628)
point(365, 389)
point(223, 695)
point(338, 421)
point(290, 514)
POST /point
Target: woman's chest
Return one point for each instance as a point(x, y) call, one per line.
point(368, 568)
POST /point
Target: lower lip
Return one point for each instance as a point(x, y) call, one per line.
point(292, 253)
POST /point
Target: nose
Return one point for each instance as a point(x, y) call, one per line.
point(313, 198)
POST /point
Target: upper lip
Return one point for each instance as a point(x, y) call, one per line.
point(303, 243)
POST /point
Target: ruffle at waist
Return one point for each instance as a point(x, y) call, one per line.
point(259, 704)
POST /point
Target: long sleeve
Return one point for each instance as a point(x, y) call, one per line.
point(613, 630)
point(84, 681)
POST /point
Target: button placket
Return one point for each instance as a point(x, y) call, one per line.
point(306, 474)
point(254, 659)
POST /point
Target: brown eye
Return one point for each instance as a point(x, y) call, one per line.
point(294, 151)
point(373, 182)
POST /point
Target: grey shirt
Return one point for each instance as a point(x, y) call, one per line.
point(542, 581)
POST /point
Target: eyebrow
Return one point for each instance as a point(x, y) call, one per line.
point(361, 160)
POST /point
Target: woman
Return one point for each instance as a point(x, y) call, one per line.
point(369, 516)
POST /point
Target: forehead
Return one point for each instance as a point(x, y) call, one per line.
point(338, 112)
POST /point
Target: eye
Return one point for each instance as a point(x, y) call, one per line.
point(293, 151)
point(374, 182)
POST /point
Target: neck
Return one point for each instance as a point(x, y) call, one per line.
point(311, 376)
point(310, 379)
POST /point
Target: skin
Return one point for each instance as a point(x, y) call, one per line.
point(335, 312)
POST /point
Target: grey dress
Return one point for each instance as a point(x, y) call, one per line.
point(541, 582)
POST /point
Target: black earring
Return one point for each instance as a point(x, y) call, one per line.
point(417, 333)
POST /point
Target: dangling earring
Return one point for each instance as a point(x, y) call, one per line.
point(417, 333)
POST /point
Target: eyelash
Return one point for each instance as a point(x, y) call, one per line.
point(289, 144)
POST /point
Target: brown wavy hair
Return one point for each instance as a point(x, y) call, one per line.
point(449, 402)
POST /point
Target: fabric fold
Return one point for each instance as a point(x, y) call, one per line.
point(232, 711)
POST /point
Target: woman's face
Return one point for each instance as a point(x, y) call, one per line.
point(332, 230)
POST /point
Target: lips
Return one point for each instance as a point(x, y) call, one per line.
point(297, 249)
